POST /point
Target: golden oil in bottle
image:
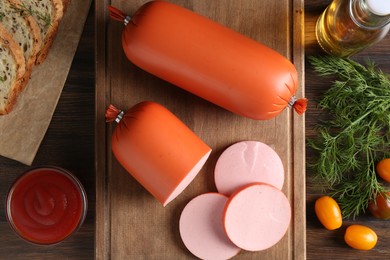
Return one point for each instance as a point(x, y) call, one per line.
point(348, 26)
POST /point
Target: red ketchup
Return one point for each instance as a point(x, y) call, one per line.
point(46, 205)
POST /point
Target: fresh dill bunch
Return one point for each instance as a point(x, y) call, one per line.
point(356, 136)
point(26, 11)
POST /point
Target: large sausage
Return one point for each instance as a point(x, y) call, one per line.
point(157, 149)
point(209, 60)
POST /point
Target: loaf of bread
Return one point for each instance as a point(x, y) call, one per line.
point(32, 26)
point(12, 70)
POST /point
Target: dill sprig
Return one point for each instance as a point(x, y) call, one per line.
point(2, 15)
point(356, 136)
point(2, 79)
point(27, 11)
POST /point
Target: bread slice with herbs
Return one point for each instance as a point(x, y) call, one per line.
point(47, 14)
point(24, 30)
point(12, 70)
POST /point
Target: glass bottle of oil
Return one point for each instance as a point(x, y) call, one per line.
point(348, 26)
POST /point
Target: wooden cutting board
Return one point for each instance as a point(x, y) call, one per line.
point(130, 223)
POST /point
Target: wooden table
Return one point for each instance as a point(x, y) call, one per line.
point(323, 244)
point(69, 143)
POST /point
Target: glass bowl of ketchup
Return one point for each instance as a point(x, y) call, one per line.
point(46, 205)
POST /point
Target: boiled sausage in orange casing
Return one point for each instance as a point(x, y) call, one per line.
point(209, 60)
point(157, 149)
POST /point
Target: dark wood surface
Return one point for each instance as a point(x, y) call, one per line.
point(69, 143)
point(323, 244)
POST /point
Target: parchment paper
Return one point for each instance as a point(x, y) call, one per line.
point(22, 130)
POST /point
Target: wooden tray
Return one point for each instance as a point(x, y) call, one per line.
point(130, 223)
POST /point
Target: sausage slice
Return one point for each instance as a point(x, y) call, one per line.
point(247, 162)
point(257, 217)
point(201, 228)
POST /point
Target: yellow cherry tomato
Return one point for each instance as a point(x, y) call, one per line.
point(383, 169)
point(360, 237)
point(328, 212)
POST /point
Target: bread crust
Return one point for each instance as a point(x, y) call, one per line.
point(66, 4)
point(17, 83)
point(58, 7)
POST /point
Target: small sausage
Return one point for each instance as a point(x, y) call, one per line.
point(157, 149)
point(256, 217)
point(247, 162)
point(201, 228)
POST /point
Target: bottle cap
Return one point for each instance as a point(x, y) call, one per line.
point(379, 7)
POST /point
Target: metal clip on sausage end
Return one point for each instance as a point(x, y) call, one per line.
point(299, 105)
point(127, 20)
point(114, 114)
point(292, 101)
point(119, 117)
point(118, 15)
